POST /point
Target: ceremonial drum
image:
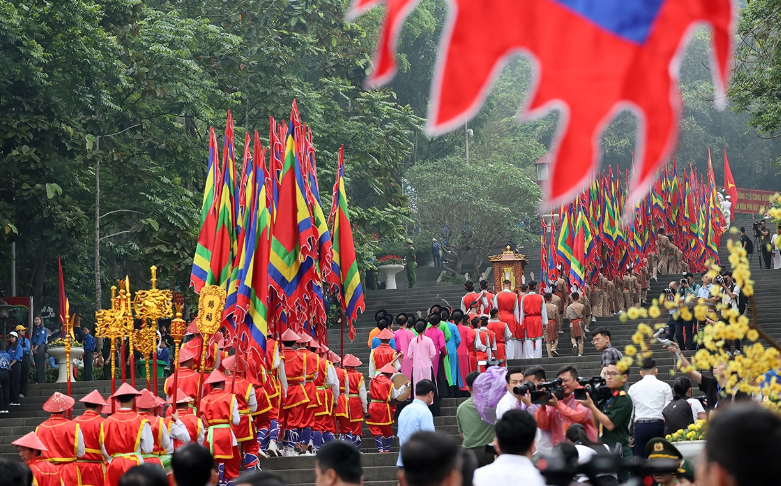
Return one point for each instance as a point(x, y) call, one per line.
point(399, 380)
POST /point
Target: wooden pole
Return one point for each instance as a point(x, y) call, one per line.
point(113, 371)
point(341, 337)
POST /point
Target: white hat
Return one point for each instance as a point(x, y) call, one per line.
point(13, 333)
point(728, 197)
point(433, 239)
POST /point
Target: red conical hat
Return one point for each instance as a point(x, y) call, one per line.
point(94, 398)
point(386, 334)
point(324, 349)
point(106, 410)
point(333, 357)
point(289, 335)
point(125, 389)
point(217, 376)
point(388, 368)
point(229, 364)
point(31, 441)
point(351, 361)
point(58, 403)
point(146, 400)
point(313, 345)
point(192, 328)
point(181, 397)
point(304, 337)
point(186, 354)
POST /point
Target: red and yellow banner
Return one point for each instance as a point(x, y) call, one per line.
point(752, 201)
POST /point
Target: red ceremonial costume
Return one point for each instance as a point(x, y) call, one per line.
point(487, 339)
point(296, 400)
point(487, 303)
point(468, 300)
point(91, 465)
point(507, 303)
point(312, 363)
point(467, 360)
point(60, 436)
point(498, 328)
point(341, 410)
point(189, 382)
point(324, 418)
point(121, 433)
point(191, 423)
point(382, 355)
point(217, 413)
point(380, 412)
point(242, 388)
point(354, 404)
point(158, 426)
point(272, 385)
point(533, 306)
point(44, 472)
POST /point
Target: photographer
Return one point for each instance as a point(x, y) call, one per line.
point(558, 414)
point(675, 327)
point(613, 417)
point(509, 401)
point(730, 295)
point(746, 243)
point(763, 233)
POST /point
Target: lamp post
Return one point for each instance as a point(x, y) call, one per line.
point(542, 170)
point(4, 308)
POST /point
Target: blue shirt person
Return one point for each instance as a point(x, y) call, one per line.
point(53, 363)
point(376, 342)
point(164, 355)
point(39, 335)
point(15, 350)
point(416, 416)
point(88, 343)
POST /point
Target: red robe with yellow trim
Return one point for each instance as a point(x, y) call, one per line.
point(533, 305)
point(312, 364)
point(157, 424)
point(92, 466)
point(216, 410)
point(297, 400)
point(272, 384)
point(354, 405)
point(341, 409)
point(189, 382)
point(324, 413)
point(59, 435)
point(44, 472)
point(242, 388)
point(506, 302)
point(191, 423)
point(121, 434)
point(498, 328)
point(380, 411)
point(382, 355)
point(261, 416)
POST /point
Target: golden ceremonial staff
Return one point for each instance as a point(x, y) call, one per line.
point(210, 307)
point(151, 305)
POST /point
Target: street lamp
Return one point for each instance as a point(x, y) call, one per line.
point(542, 169)
point(548, 218)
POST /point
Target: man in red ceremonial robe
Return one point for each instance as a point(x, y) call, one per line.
point(327, 385)
point(486, 298)
point(62, 437)
point(189, 380)
point(220, 412)
point(257, 376)
point(381, 412)
point(507, 302)
point(383, 354)
point(309, 349)
point(183, 426)
point(91, 466)
point(341, 407)
point(120, 434)
point(533, 317)
point(470, 298)
point(248, 404)
point(147, 405)
point(276, 389)
point(30, 449)
point(485, 343)
point(357, 405)
point(296, 401)
point(502, 332)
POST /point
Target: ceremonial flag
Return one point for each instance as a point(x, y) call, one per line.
point(628, 52)
point(220, 266)
point(578, 262)
point(564, 247)
point(203, 251)
point(345, 264)
point(729, 182)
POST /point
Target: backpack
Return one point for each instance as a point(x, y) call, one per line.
point(749, 246)
point(677, 415)
point(5, 364)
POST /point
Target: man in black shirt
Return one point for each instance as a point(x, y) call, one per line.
point(711, 386)
point(746, 242)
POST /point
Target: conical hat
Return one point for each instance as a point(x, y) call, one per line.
point(217, 376)
point(146, 400)
point(333, 357)
point(289, 335)
point(186, 354)
point(304, 337)
point(386, 334)
point(106, 410)
point(312, 344)
point(31, 441)
point(229, 364)
point(192, 328)
point(351, 361)
point(388, 368)
point(181, 397)
point(58, 403)
point(125, 389)
point(94, 398)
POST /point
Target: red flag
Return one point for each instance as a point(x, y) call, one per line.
point(729, 182)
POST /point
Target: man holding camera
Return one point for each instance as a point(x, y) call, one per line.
point(558, 414)
point(614, 415)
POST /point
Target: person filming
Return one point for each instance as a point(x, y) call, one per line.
point(558, 414)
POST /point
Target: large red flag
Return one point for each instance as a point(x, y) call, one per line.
point(729, 182)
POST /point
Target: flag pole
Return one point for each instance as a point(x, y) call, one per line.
point(341, 335)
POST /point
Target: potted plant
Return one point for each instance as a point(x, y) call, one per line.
point(390, 260)
point(57, 350)
point(689, 441)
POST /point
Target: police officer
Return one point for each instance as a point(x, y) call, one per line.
point(661, 449)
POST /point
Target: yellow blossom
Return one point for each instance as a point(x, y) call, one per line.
point(654, 311)
point(630, 350)
point(633, 313)
point(752, 335)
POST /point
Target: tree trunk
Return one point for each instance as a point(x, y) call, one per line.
point(39, 272)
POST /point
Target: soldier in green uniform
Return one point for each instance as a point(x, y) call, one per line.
point(612, 417)
point(411, 264)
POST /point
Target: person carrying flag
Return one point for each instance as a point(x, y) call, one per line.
point(380, 420)
point(293, 413)
point(147, 405)
point(91, 466)
point(341, 407)
point(62, 437)
point(30, 451)
point(327, 385)
point(220, 413)
point(120, 434)
point(239, 386)
point(182, 424)
point(533, 317)
point(312, 360)
point(384, 354)
point(258, 377)
point(189, 380)
point(357, 402)
point(276, 389)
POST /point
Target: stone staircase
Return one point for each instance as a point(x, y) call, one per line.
point(380, 469)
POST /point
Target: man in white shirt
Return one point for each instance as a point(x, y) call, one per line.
point(649, 396)
point(514, 443)
point(510, 401)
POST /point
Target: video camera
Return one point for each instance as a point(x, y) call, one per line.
point(595, 387)
point(600, 468)
point(542, 392)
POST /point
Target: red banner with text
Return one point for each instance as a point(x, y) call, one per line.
point(752, 201)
